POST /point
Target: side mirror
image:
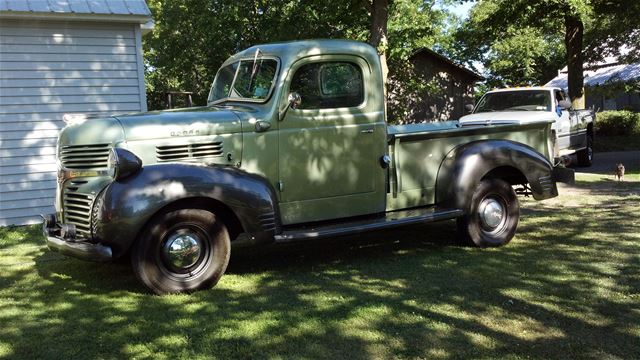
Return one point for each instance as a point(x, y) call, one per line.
point(565, 104)
point(294, 100)
point(469, 108)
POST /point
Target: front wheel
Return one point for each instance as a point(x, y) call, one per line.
point(492, 216)
point(585, 156)
point(182, 251)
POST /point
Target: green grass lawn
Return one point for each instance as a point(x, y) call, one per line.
point(568, 286)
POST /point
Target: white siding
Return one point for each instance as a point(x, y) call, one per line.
point(48, 69)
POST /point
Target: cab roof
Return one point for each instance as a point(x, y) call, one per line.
point(525, 88)
point(288, 52)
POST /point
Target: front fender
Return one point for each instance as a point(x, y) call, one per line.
point(126, 206)
point(465, 166)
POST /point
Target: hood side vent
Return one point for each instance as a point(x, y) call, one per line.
point(188, 151)
point(85, 157)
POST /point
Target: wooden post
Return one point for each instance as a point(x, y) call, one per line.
point(169, 97)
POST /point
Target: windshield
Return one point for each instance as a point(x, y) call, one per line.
point(245, 80)
point(522, 100)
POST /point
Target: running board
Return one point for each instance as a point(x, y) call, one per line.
point(386, 221)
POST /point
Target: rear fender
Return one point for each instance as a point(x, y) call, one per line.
point(126, 206)
point(465, 166)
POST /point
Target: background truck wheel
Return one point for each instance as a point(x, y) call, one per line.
point(182, 251)
point(585, 156)
point(492, 217)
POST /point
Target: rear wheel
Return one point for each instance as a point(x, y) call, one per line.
point(492, 216)
point(585, 156)
point(182, 251)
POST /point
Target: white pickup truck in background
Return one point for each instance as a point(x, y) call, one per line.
point(572, 130)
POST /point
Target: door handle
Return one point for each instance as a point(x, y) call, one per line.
point(366, 131)
point(262, 126)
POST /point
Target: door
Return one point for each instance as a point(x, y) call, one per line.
point(563, 122)
point(330, 145)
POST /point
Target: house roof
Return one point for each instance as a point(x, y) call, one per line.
point(446, 60)
point(120, 10)
point(600, 75)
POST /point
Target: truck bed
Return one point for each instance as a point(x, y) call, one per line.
point(417, 150)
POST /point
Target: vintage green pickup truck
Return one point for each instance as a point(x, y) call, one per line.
point(292, 145)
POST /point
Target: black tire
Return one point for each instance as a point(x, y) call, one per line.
point(585, 156)
point(488, 230)
point(169, 239)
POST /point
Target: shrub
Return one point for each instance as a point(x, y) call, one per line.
point(621, 122)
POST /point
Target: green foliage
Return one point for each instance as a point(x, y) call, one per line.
point(614, 24)
point(614, 87)
point(524, 57)
point(192, 38)
point(620, 122)
point(520, 51)
point(414, 24)
point(522, 42)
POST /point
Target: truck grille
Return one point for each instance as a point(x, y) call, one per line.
point(86, 157)
point(188, 151)
point(77, 208)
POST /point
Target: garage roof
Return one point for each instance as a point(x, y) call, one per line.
point(601, 75)
point(78, 9)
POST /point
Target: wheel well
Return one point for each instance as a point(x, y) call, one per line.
point(507, 173)
point(220, 209)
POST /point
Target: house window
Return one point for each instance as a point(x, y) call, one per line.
point(329, 85)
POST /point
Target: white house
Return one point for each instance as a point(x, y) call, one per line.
point(60, 57)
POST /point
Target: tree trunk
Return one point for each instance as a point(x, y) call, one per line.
point(574, 29)
point(378, 33)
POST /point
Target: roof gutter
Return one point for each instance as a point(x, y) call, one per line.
point(53, 16)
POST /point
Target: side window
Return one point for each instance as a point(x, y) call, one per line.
point(329, 85)
point(559, 96)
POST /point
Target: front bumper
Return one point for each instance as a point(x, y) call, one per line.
point(79, 249)
point(563, 175)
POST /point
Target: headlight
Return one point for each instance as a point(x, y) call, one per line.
point(122, 163)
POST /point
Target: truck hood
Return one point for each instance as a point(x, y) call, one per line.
point(196, 121)
point(153, 125)
point(521, 117)
point(93, 131)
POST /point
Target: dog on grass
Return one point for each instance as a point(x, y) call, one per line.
point(619, 172)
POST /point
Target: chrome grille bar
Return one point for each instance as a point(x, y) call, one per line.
point(77, 208)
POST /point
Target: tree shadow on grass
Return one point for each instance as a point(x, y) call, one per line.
point(567, 286)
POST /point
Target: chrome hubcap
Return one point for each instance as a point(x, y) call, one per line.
point(492, 214)
point(182, 251)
